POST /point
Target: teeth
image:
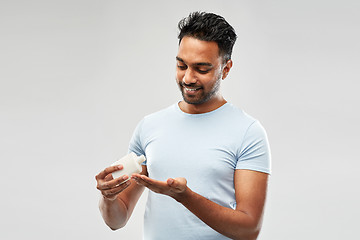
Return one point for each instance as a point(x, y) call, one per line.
point(191, 90)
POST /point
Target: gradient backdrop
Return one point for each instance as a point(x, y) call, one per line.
point(76, 77)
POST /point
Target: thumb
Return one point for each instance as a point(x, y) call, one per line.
point(170, 182)
point(176, 182)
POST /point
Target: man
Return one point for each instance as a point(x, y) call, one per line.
point(207, 161)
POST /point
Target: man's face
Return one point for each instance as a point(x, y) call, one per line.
point(199, 70)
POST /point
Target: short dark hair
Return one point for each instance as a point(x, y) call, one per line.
point(209, 27)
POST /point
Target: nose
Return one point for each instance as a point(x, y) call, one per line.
point(189, 77)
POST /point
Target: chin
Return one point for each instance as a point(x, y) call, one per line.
point(194, 101)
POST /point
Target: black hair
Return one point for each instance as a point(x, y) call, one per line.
point(209, 27)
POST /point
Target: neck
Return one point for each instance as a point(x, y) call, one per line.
point(208, 106)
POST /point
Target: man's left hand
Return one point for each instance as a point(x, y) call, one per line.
point(173, 187)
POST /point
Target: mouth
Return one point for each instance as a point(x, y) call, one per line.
point(192, 89)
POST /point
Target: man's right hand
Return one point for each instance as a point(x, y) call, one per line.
point(108, 186)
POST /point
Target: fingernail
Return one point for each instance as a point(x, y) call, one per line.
point(125, 177)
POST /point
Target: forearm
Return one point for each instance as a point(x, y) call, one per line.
point(118, 199)
point(243, 223)
point(235, 224)
point(114, 212)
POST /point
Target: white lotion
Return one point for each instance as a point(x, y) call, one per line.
point(131, 164)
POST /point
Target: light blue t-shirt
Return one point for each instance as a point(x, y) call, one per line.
point(206, 149)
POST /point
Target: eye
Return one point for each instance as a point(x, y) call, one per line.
point(182, 67)
point(203, 71)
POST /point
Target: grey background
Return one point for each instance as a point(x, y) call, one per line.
point(76, 77)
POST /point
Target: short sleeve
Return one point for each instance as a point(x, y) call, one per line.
point(135, 144)
point(255, 153)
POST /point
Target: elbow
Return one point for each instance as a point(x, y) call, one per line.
point(114, 227)
point(111, 218)
point(254, 229)
point(246, 235)
point(248, 231)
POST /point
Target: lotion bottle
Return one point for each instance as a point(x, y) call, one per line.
point(131, 164)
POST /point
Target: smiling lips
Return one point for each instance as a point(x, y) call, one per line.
point(191, 89)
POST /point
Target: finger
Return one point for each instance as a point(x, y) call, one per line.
point(104, 185)
point(177, 184)
point(180, 181)
point(107, 171)
point(108, 177)
point(171, 182)
point(148, 183)
point(140, 181)
point(111, 193)
point(136, 175)
point(146, 179)
point(152, 181)
point(154, 188)
point(153, 185)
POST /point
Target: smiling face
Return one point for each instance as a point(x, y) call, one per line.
point(199, 72)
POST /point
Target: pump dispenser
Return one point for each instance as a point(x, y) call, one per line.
point(131, 164)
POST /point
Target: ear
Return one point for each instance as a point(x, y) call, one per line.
point(227, 68)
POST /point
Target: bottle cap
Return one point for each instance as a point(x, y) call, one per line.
point(141, 159)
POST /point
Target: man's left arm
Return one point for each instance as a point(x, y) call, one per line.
point(243, 222)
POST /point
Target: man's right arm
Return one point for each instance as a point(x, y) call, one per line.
point(118, 200)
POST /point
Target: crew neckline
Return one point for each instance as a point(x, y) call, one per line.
point(178, 109)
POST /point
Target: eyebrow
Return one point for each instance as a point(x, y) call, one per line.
point(197, 64)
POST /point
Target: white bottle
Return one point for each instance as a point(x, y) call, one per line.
point(131, 164)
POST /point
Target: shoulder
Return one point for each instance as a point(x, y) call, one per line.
point(165, 112)
point(146, 128)
point(161, 113)
point(159, 117)
point(238, 116)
